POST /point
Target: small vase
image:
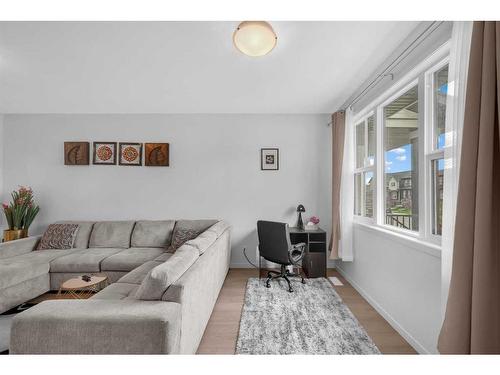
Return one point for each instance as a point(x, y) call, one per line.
point(14, 234)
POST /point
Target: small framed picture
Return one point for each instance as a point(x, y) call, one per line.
point(104, 153)
point(130, 154)
point(76, 153)
point(269, 159)
point(156, 155)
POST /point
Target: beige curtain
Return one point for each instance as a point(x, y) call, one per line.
point(338, 135)
point(472, 319)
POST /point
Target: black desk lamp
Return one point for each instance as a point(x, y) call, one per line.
point(300, 223)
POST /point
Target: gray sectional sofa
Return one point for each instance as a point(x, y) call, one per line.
point(157, 302)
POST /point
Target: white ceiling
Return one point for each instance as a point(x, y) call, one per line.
point(186, 67)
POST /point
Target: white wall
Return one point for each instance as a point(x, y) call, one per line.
point(401, 279)
point(214, 173)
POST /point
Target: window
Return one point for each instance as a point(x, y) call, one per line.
point(401, 139)
point(365, 160)
point(405, 130)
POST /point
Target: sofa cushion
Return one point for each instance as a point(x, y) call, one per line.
point(128, 259)
point(83, 234)
point(97, 326)
point(138, 274)
point(186, 230)
point(208, 237)
point(203, 241)
point(116, 291)
point(162, 276)
point(111, 234)
point(85, 260)
point(163, 257)
point(17, 272)
point(148, 233)
point(219, 227)
point(44, 256)
point(58, 236)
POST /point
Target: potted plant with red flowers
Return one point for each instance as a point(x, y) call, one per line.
point(20, 213)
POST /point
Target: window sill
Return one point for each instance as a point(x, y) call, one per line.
point(407, 240)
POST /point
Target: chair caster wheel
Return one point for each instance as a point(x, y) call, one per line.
point(303, 281)
point(290, 290)
point(268, 286)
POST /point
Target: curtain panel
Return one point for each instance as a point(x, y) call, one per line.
point(338, 136)
point(342, 186)
point(455, 107)
point(472, 318)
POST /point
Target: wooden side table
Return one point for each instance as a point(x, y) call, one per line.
point(79, 289)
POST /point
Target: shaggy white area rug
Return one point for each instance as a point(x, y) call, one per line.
point(311, 320)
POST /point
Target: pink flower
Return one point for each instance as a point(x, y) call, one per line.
point(314, 220)
point(5, 206)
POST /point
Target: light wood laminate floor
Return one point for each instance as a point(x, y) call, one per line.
point(222, 329)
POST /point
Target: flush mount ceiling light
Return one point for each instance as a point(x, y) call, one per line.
point(254, 38)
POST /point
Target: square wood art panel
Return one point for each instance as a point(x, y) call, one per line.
point(156, 155)
point(76, 153)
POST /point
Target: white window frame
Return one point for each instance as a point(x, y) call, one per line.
point(432, 153)
point(421, 75)
point(365, 168)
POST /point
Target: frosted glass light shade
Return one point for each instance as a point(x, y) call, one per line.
point(254, 38)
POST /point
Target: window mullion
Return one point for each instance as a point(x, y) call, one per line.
point(379, 167)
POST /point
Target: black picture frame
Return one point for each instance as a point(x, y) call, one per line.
point(264, 159)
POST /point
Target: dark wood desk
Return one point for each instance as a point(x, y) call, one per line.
point(314, 262)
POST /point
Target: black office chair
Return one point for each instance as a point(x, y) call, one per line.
point(275, 246)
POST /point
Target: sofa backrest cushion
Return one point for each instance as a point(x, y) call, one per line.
point(186, 230)
point(83, 233)
point(148, 233)
point(208, 237)
point(58, 236)
point(158, 280)
point(114, 234)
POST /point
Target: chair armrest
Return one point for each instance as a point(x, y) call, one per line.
point(18, 247)
point(297, 253)
point(97, 327)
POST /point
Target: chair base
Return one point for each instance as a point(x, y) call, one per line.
point(285, 274)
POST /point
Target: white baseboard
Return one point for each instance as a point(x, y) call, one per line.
point(393, 322)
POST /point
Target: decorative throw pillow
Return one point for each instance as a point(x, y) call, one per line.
point(186, 230)
point(58, 236)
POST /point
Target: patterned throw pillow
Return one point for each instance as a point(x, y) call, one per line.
point(186, 230)
point(183, 235)
point(58, 236)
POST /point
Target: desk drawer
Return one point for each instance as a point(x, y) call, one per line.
point(319, 237)
point(317, 247)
